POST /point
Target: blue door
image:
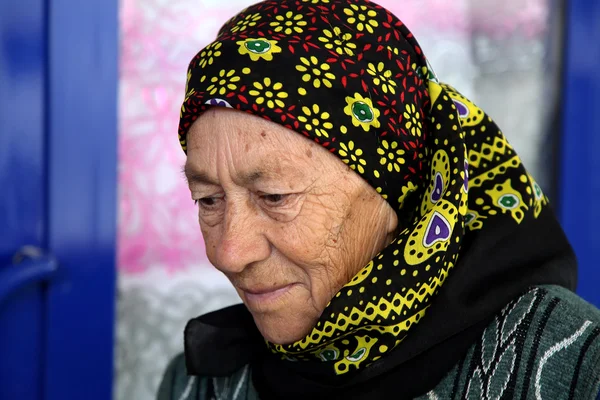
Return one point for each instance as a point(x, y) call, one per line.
point(58, 78)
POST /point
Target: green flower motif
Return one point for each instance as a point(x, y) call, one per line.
point(314, 119)
point(508, 201)
point(258, 48)
point(352, 156)
point(328, 355)
point(382, 77)
point(362, 112)
point(538, 191)
point(391, 156)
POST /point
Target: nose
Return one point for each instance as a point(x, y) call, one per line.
point(242, 240)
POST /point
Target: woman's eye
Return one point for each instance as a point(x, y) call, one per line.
point(274, 199)
point(207, 202)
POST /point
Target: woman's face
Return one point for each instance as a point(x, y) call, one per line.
point(285, 220)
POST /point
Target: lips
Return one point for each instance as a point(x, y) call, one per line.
point(262, 298)
point(264, 289)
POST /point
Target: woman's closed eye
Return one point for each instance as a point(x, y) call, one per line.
point(208, 203)
point(274, 200)
point(280, 206)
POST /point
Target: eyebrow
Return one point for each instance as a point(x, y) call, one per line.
point(196, 176)
point(193, 175)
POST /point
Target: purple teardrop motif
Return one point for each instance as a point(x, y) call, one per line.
point(437, 231)
point(463, 110)
point(438, 188)
point(218, 102)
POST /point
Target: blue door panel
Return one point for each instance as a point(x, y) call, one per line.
point(22, 344)
point(58, 100)
point(82, 141)
point(22, 119)
point(23, 62)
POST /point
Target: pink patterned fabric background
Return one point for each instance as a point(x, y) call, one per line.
point(157, 227)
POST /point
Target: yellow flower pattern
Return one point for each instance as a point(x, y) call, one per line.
point(413, 120)
point(258, 48)
point(289, 23)
point(362, 112)
point(223, 82)
point(382, 77)
point(208, 55)
point(316, 120)
point(361, 16)
point(337, 41)
point(269, 93)
point(316, 71)
point(248, 20)
point(391, 155)
point(351, 156)
point(187, 81)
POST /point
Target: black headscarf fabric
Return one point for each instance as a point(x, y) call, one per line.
point(476, 229)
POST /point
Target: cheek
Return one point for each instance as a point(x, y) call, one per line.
point(211, 239)
point(302, 241)
point(312, 243)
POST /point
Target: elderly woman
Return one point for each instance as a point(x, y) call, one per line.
point(384, 237)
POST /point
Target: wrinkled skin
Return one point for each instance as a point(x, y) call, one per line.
point(285, 220)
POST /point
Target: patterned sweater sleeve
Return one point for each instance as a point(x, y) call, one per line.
point(177, 385)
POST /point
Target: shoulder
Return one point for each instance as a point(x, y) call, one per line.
point(569, 352)
point(544, 344)
point(178, 385)
point(567, 301)
point(562, 345)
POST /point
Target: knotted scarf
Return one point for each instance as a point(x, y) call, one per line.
point(350, 76)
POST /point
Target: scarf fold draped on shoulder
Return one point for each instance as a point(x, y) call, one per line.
point(475, 231)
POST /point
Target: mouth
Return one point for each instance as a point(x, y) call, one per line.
point(263, 298)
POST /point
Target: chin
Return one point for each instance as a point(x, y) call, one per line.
point(283, 329)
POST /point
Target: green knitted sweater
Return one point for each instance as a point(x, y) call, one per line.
point(544, 345)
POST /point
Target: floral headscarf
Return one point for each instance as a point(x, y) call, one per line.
point(350, 76)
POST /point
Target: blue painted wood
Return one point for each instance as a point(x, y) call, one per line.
point(580, 146)
point(22, 325)
point(16, 277)
point(22, 179)
point(22, 115)
point(82, 142)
